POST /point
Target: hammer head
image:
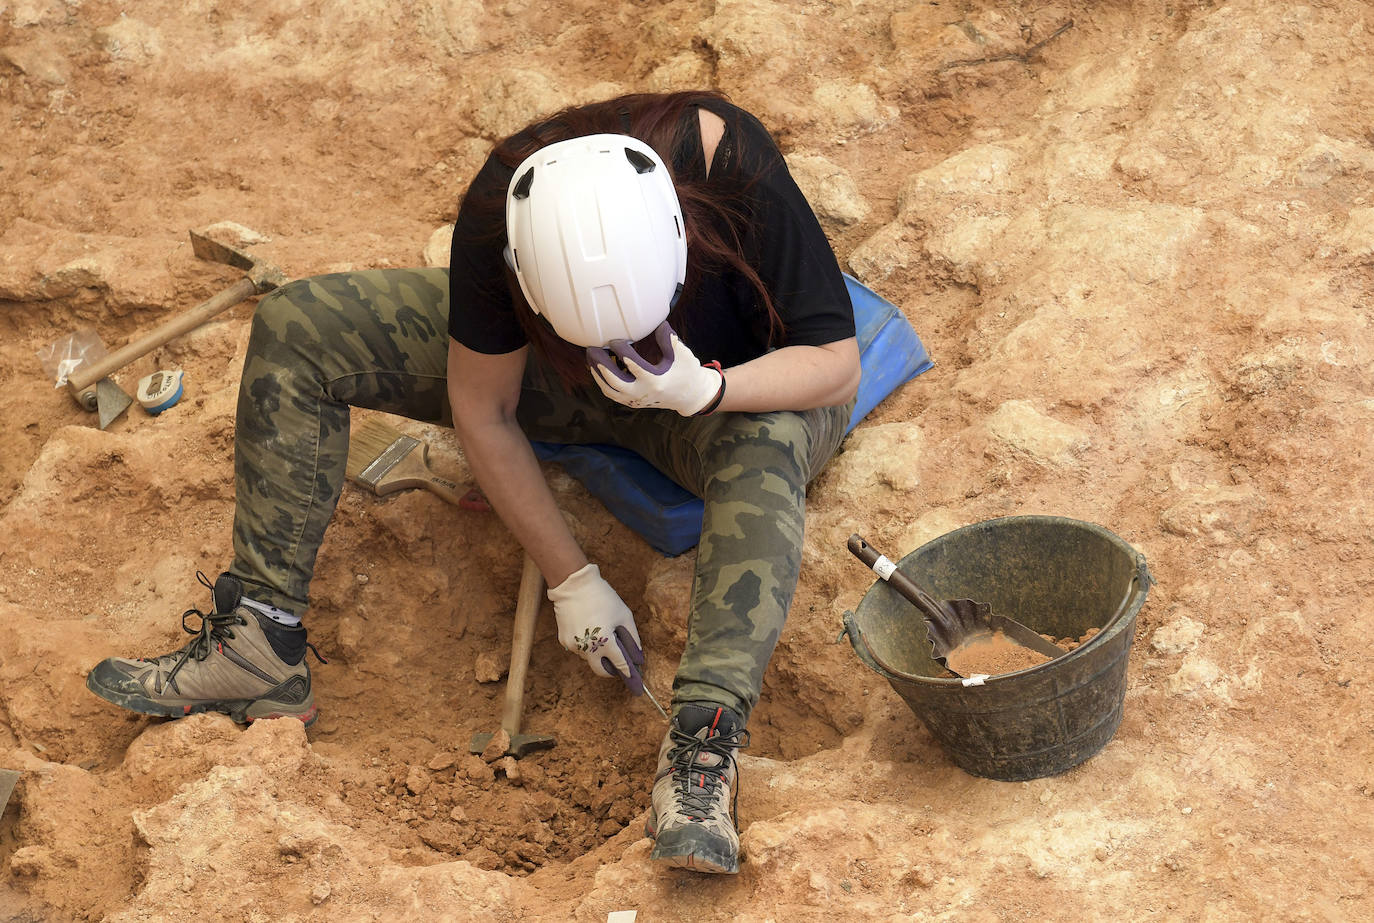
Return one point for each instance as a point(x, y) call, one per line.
point(265, 276)
point(520, 744)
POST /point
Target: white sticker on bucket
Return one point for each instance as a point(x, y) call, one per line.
point(883, 567)
point(976, 679)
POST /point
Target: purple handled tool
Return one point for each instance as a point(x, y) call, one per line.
point(634, 660)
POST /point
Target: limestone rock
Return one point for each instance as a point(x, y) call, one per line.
point(438, 247)
point(1177, 637)
point(1357, 237)
point(505, 100)
point(1221, 514)
point(489, 667)
point(893, 248)
point(930, 525)
point(683, 71)
point(38, 60)
point(853, 108)
point(983, 169)
point(131, 40)
point(755, 35)
point(1195, 674)
point(883, 455)
point(1027, 431)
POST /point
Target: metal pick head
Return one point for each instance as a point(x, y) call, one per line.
point(8, 777)
point(110, 400)
point(655, 701)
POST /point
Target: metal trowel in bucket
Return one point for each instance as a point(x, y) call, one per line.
point(957, 627)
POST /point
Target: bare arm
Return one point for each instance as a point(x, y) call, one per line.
point(484, 391)
point(794, 378)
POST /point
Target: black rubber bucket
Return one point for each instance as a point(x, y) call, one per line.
point(1060, 577)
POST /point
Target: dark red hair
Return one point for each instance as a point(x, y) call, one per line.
point(714, 216)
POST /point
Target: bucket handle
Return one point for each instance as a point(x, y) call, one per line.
point(1140, 581)
point(865, 652)
point(1142, 572)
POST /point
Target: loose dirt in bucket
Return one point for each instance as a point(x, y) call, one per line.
point(992, 654)
point(1137, 248)
point(1069, 644)
point(996, 653)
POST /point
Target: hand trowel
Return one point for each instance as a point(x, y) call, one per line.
point(955, 626)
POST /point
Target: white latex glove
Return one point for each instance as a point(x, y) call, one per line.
point(679, 382)
point(594, 622)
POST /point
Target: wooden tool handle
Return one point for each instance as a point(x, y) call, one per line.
point(86, 375)
point(526, 613)
point(439, 486)
point(896, 579)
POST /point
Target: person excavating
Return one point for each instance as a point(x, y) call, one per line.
point(641, 272)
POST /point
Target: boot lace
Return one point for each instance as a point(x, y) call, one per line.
point(214, 627)
point(697, 803)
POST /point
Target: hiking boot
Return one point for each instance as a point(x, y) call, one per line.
point(692, 821)
point(240, 662)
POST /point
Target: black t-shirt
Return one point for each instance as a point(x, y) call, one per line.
point(725, 321)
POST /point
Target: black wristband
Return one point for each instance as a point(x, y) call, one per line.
point(720, 395)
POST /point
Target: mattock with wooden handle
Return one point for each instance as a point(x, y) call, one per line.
point(92, 386)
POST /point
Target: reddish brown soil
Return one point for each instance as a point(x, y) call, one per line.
point(1140, 249)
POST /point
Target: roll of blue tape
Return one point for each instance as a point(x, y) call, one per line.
point(160, 390)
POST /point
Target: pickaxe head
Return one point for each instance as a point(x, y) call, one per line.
point(264, 275)
point(520, 744)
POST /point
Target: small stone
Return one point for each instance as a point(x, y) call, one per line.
point(489, 669)
point(417, 781)
point(320, 893)
point(532, 774)
point(511, 767)
point(477, 770)
point(1188, 810)
point(436, 252)
point(1101, 854)
point(457, 815)
point(361, 578)
point(496, 747)
point(440, 762)
point(609, 828)
point(441, 837)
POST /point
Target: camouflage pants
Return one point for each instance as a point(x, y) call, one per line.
point(379, 340)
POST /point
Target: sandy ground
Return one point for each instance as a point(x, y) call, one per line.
point(1138, 241)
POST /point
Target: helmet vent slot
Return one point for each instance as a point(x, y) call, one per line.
point(641, 163)
point(522, 186)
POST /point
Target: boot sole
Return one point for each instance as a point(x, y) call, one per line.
point(243, 711)
point(685, 852)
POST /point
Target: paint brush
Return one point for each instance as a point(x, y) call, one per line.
point(384, 460)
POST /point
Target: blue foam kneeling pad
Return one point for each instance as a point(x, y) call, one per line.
point(667, 515)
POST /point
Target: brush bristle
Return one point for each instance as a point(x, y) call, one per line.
point(367, 444)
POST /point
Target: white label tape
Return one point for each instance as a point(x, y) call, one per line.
point(883, 567)
point(976, 679)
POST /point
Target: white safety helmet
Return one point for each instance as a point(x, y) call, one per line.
point(596, 238)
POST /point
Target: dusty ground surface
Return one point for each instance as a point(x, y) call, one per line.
point(1140, 248)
